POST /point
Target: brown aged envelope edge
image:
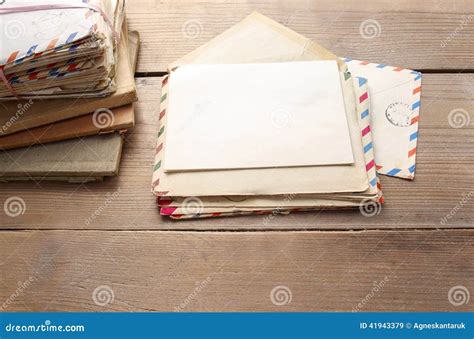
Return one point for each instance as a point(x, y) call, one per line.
point(123, 118)
point(71, 180)
point(93, 156)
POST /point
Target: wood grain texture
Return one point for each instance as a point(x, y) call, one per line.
point(445, 175)
point(433, 34)
point(74, 238)
point(158, 271)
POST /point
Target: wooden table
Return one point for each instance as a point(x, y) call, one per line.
point(404, 259)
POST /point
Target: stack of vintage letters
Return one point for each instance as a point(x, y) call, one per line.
point(66, 76)
point(279, 125)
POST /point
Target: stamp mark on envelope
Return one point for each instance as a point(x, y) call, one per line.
point(399, 114)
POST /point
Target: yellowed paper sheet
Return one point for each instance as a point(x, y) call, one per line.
point(303, 180)
point(243, 116)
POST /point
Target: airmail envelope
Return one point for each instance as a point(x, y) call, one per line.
point(395, 106)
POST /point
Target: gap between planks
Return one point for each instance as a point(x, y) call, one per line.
point(423, 71)
point(247, 230)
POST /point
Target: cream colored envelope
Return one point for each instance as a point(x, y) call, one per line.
point(202, 207)
point(275, 43)
point(243, 116)
point(395, 106)
point(257, 38)
point(263, 40)
point(302, 180)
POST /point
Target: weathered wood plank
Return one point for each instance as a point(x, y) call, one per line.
point(431, 34)
point(236, 271)
point(445, 175)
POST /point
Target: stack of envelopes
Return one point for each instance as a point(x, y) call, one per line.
point(68, 131)
point(57, 49)
point(261, 120)
point(261, 131)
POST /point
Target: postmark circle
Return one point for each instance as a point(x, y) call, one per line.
point(399, 114)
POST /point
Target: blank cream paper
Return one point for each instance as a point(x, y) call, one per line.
point(233, 116)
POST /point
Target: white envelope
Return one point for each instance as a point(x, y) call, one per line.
point(395, 106)
point(229, 116)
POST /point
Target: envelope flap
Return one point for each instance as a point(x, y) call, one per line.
point(257, 39)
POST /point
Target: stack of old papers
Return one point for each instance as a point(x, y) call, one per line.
point(261, 120)
point(57, 49)
point(262, 130)
point(57, 137)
